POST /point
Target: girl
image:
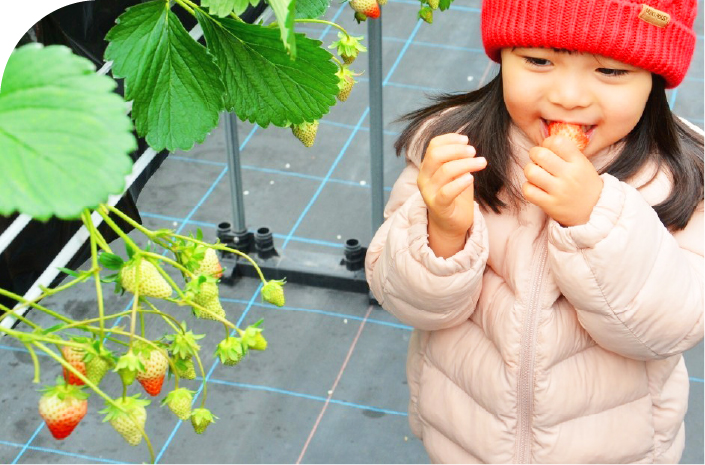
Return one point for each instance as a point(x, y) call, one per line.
point(554, 289)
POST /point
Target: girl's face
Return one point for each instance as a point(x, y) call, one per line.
point(605, 96)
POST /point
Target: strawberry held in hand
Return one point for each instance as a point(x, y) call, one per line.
point(571, 131)
point(62, 407)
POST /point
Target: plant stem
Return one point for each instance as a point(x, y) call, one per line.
point(150, 234)
point(136, 301)
point(33, 304)
point(96, 274)
point(183, 5)
point(322, 21)
point(203, 377)
point(103, 211)
point(176, 327)
point(169, 261)
point(141, 322)
point(35, 360)
point(227, 332)
point(18, 316)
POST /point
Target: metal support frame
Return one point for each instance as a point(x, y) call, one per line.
point(344, 272)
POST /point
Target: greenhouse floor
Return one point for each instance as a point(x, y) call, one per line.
point(331, 387)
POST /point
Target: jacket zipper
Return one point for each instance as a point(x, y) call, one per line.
point(525, 385)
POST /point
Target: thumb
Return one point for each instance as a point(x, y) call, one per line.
point(564, 147)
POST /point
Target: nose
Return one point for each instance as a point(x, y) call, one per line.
point(569, 92)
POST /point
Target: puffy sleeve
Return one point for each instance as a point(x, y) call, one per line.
point(405, 276)
point(637, 288)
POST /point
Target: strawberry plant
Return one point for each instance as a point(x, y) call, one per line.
point(65, 139)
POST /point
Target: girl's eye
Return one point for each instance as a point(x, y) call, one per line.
point(612, 72)
point(537, 61)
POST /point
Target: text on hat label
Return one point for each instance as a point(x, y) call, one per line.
point(654, 16)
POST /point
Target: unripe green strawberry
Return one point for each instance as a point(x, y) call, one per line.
point(426, 13)
point(207, 297)
point(305, 132)
point(230, 351)
point(74, 355)
point(254, 338)
point(210, 266)
point(62, 407)
point(155, 365)
point(434, 4)
point(382, 2)
point(131, 424)
point(345, 83)
point(348, 47)
point(179, 402)
point(273, 292)
point(127, 367)
point(369, 8)
point(360, 17)
point(96, 368)
point(152, 284)
point(201, 418)
point(184, 367)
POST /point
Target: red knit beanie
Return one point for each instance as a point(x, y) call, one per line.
point(656, 36)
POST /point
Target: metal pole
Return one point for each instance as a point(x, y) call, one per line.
point(374, 33)
point(233, 146)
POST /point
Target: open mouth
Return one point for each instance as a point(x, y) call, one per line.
point(587, 129)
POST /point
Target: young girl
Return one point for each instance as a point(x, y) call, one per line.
point(554, 289)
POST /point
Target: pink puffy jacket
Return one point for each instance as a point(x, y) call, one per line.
point(538, 343)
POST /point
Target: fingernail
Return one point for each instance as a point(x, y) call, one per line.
point(467, 177)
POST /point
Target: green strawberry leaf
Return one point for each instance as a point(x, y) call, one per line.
point(443, 5)
point(199, 234)
point(64, 134)
point(110, 261)
point(284, 10)
point(111, 278)
point(68, 272)
point(262, 84)
point(223, 8)
point(311, 9)
point(174, 84)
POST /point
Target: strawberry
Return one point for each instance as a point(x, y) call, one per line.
point(127, 367)
point(273, 292)
point(348, 47)
point(184, 367)
point(131, 424)
point(62, 407)
point(345, 83)
point(434, 4)
point(201, 418)
point(210, 266)
point(207, 297)
point(98, 361)
point(155, 365)
point(74, 356)
point(152, 284)
point(254, 339)
point(230, 351)
point(369, 8)
point(426, 13)
point(305, 132)
point(571, 131)
point(179, 402)
point(360, 17)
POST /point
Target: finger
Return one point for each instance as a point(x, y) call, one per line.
point(539, 177)
point(449, 192)
point(535, 195)
point(443, 154)
point(547, 160)
point(454, 168)
point(563, 147)
point(450, 138)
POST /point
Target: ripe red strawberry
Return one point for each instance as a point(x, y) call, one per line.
point(201, 418)
point(305, 132)
point(152, 284)
point(571, 131)
point(131, 424)
point(74, 356)
point(369, 8)
point(62, 407)
point(210, 266)
point(179, 402)
point(155, 364)
point(273, 292)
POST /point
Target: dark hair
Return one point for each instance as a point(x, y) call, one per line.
point(658, 137)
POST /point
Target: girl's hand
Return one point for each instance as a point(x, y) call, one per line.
point(562, 181)
point(446, 186)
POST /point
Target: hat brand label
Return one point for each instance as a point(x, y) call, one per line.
point(654, 16)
